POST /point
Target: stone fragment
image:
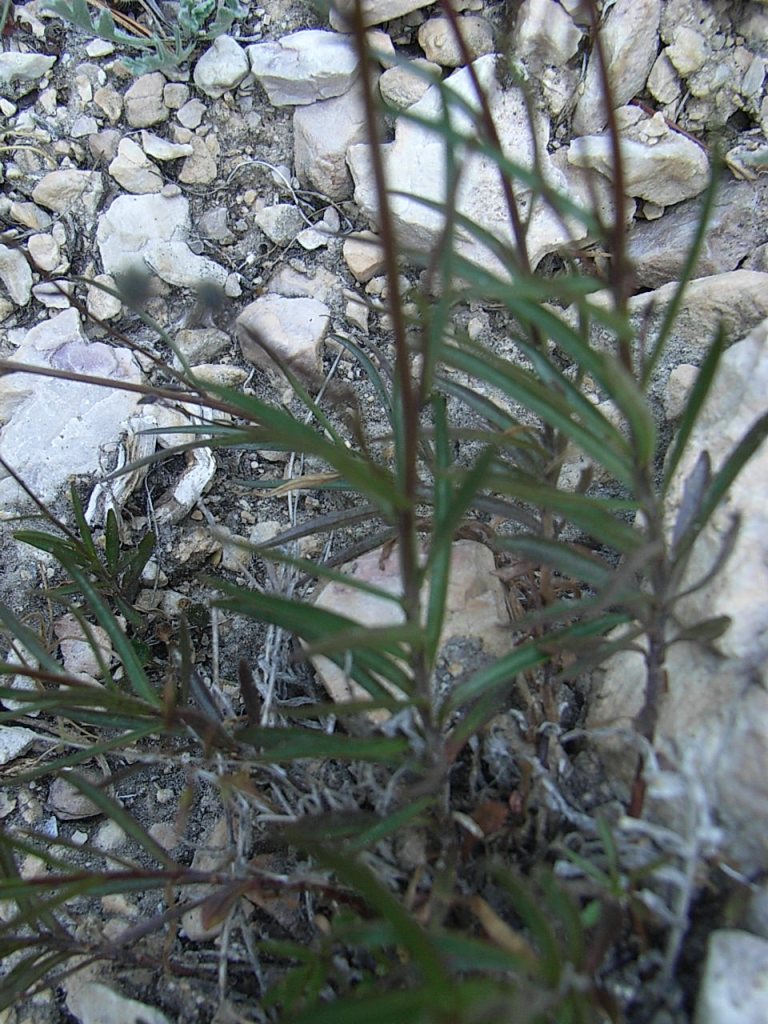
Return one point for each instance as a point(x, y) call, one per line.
point(15, 275)
point(53, 294)
point(14, 741)
point(280, 223)
point(405, 84)
point(103, 145)
point(545, 32)
point(25, 68)
point(374, 12)
point(82, 126)
point(175, 95)
point(679, 384)
point(68, 803)
point(438, 40)
point(663, 83)
point(151, 231)
point(99, 48)
point(221, 68)
point(77, 653)
point(30, 215)
point(305, 66)
point(381, 47)
point(363, 255)
point(475, 613)
point(191, 114)
point(201, 345)
point(96, 1003)
point(214, 224)
point(323, 132)
point(713, 718)
point(202, 166)
point(630, 38)
point(293, 329)
point(688, 52)
point(737, 227)
point(60, 191)
point(110, 102)
point(660, 165)
point(44, 251)
point(162, 149)
point(295, 284)
point(101, 304)
point(214, 853)
point(134, 171)
point(144, 105)
point(56, 428)
point(734, 987)
point(415, 166)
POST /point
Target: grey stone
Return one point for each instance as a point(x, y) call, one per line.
point(101, 304)
point(546, 33)
point(363, 255)
point(25, 68)
point(221, 68)
point(144, 104)
point(630, 38)
point(375, 12)
point(201, 344)
point(440, 45)
point(29, 215)
point(191, 114)
point(660, 165)
point(95, 1003)
point(323, 132)
point(15, 275)
point(153, 231)
point(415, 165)
point(293, 329)
point(734, 988)
point(62, 190)
point(737, 227)
point(304, 67)
point(110, 101)
point(214, 224)
point(202, 166)
point(280, 223)
point(134, 171)
point(55, 429)
point(14, 741)
point(405, 84)
point(68, 803)
point(162, 149)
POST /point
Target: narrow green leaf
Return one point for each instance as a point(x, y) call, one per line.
point(287, 744)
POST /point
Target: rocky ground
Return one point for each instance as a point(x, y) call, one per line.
point(249, 169)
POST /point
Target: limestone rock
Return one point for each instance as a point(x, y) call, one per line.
point(737, 227)
point(323, 132)
point(77, 654)
point(734, 988)
point(415, 165)
point(68, 803)
point(60, 191)
point(363, 255)
point(25, 68)
point(545, 32)
point(30, 216)
point(305, 66)
point(152, 231)
point(439, 43)
point(475, 608)
point(162, 149)
point(660, 165)
point(101, 304)
point(214, 853)
point(55, 429)
point(110, 101)
point(375, 12)
point(144, 104)
point(281, 223)
point(201, 168)
point(405, 84)
point(222, 67)
point(630, 38)
point(96, 1003)
point(134, 171)
point(14, 741)
point(15, 275)
point(201, 345)
point(293, 329)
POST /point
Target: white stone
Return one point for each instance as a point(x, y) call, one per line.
point(405, 84)
point(30, 216)
point(56, 428)
point(664, 168)
point(15, 275)
point(322, 133)
point(475, 607)
point(144, 104)
point(440, 45)
point(134, 171)
point(375, 12)
point(734, 988)
point(213, 854)
point(152, 231)
point(293, 329)
point(304, 66)
point(201, 167)
point(77, 654)
point(545, 32)
point(663, 83)
point(99, 48)
point(201, 345)
point(679, 384)
point(630, 38)
point(363, 255)
point(415, 165)
point(53, 294)
point(14, 741)
point(101, 304)
point(60, 191)
point(688, 52)
point(221, 68)
point(280, 223)
point(162, 149)
point(82, 126)
point(23, 67)
point(110, 102)
point(95, 1003)
point(191, 114)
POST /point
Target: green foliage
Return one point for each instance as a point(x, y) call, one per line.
point(168, 46)
point(473, 439)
